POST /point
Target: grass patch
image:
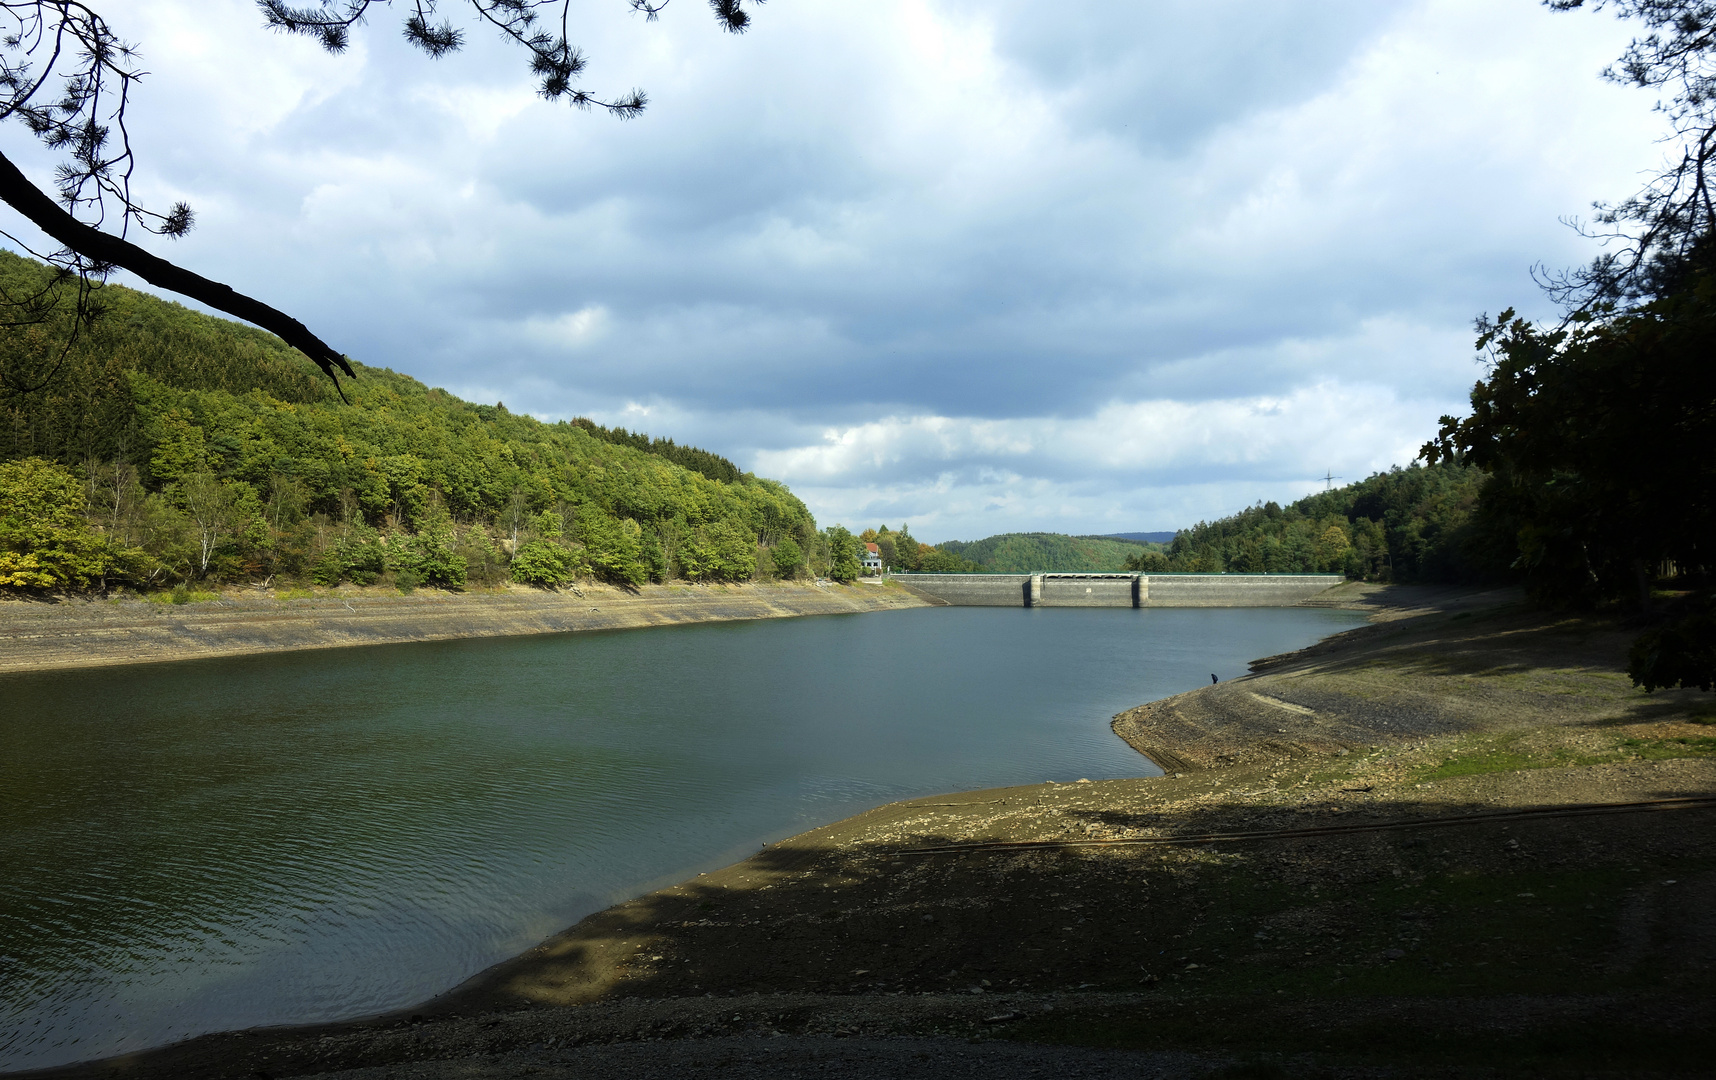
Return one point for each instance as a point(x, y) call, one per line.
point(1512, 755)
point(181, 594)
point(1662, 749)
point(294, 594)
point(1702, 714)
point(1481, 762)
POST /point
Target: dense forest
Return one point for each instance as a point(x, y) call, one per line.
point(1408, 525)
point(164, 447)
point(1046, 552)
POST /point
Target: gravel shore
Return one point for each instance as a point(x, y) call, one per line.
point(41, 635)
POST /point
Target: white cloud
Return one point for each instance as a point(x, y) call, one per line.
point(572, 330)
point(1036, 267)
point(1150, 462)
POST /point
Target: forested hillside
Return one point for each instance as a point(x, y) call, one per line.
point(1019, 553)
point(169, 446)
point(1411, 524)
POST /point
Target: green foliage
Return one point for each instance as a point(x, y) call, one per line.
point(1599, 435)
point(485, 564)
point(182, 593)
point(787, 557)
point(1150, 561)
point(45, 542)
point(714, 466)
point(220, 453)
point(908, 552)
point(844, 565)
point(431, 556)
point(938, 560)
point(718, 552)
point(358, 554)
point(1023, 553)
point(614, 547)
point(541, 563)
point(1412, 524)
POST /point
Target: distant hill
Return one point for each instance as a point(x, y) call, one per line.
point(1018, 553)
point(1145, 538)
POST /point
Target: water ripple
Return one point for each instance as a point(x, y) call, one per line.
point(261, 840)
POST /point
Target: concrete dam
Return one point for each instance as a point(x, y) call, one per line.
point(1118, 590)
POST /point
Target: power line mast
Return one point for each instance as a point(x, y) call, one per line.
point(1329, 480)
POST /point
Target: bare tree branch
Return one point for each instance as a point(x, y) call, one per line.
point(1662, 230)
point(107, 250)
point(44, 42)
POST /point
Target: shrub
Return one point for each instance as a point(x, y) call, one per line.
point(719, 551)
point(786, 556)
point(44, 541)
point(540, 563)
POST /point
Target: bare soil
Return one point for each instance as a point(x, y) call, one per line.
point(66, 632)
point(1411, 881)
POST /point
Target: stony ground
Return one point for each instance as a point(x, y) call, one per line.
point(56, 633)
point(1411, 864)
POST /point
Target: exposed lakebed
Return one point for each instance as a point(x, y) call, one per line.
point(277, 839)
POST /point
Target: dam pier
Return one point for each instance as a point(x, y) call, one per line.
point(1118, 589)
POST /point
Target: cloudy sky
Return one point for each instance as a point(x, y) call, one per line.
point(979, 265)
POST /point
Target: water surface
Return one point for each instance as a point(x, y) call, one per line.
point(214, 844)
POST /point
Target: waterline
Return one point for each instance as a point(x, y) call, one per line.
point(283, 839)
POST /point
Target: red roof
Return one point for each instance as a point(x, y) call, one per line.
point(872, 548)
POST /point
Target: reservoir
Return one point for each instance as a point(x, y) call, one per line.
point(216, 844)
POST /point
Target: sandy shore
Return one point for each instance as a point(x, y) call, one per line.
point(67, 633)
point(1455, 842)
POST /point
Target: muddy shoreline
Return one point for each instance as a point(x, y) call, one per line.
point(1420, 891)
point(72, 632)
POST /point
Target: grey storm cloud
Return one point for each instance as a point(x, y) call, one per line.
point(980, 266)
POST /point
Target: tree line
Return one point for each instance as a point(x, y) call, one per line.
point(1597, 431)
point(172, 447)
point(1410, 524)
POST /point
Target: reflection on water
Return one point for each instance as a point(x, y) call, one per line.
point(216, 844)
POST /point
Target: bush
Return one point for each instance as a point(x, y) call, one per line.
point(1682, 653)
point(843, 563)
point(44, 541)
point(614, 547)
point(719, 551)
point(431, 557)
point(786, 556)
point(542, 564)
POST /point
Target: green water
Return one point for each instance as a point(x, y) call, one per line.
point(216, 844)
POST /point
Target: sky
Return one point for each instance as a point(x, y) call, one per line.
point(977, 267)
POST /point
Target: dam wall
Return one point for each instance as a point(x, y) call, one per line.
point(1118, 590)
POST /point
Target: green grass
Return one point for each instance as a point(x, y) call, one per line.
point(1661, 749)
point(1703, 714)
point(181, 594)
point(1511, 756)
point(294, 594)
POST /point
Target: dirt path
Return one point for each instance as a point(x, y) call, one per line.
point(1468, 944)
point(44, 635)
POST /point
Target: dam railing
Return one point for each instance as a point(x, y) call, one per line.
point(1118, 589)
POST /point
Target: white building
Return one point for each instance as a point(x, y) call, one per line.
point(872, 558)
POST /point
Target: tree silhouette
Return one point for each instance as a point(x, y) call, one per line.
point(68, 76)
point(1662, 231)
